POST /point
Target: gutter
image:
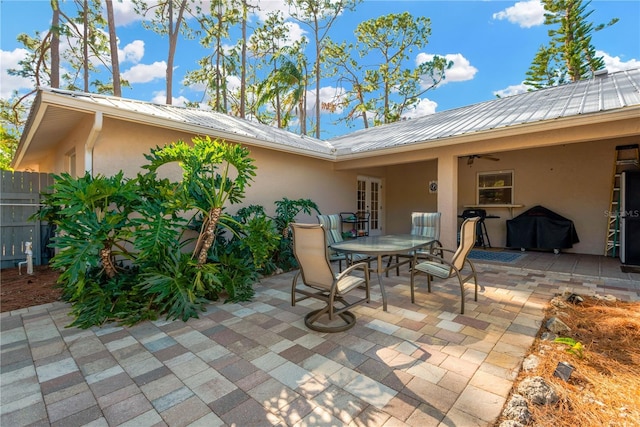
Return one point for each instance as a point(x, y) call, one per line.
point(91, 142)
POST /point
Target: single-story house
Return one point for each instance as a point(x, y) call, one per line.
point(553, 147)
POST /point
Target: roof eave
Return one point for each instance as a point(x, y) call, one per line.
point(631, 112)
point(47, 97)
point(30, 127)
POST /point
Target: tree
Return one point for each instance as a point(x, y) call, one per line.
point(113, 48)
point(340, 60)
point(169, 19)
point(9, 139)
point(319, 16)
point(221, 62)
point(569, 55)
point(284, 88)
point(388, 87)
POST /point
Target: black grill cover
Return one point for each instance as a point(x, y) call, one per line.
point(540, 228)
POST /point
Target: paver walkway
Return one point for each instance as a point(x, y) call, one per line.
point(256, 364)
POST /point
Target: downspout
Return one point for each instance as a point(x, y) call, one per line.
point(91, 142)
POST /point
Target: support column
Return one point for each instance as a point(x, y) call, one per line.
point(448, 199)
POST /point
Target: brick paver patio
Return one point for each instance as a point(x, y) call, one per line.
point(256, 364)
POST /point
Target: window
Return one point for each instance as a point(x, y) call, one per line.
point(495, 188)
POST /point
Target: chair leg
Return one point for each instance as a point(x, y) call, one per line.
point(461, 294)
point(413, 297)
point(293, 289)
point(310, 318)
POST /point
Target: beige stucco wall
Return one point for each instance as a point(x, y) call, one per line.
point(278, 174)
point(572, 180)
point(408, 191)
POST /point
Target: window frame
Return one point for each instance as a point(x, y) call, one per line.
point(479, 189)
point(71, 160)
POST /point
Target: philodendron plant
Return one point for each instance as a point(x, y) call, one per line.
point(121, 243)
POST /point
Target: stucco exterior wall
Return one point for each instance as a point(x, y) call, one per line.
point(572, 180)
point(408, 191)
point(278, 174)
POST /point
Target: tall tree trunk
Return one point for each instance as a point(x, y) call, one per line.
point(113, 45)
point(85, 45)
point(55, 45)
point(243, 61)
point(317, 70)
point(174, 31)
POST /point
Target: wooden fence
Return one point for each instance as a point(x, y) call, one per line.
point(20, 196)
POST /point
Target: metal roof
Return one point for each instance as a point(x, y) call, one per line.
point(601, 93)
point(55, 112)
point(214, 121)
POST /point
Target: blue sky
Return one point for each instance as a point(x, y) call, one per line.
point(492, 44)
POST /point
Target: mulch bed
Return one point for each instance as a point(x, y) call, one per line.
point(27, 290)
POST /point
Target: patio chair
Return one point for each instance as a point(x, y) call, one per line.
point(438, 266)
point(425, 224)
point(320, 282)
point(332, 226)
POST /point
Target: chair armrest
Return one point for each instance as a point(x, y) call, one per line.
point(359, 266)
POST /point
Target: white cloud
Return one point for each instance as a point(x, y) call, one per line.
point(512, 90)
point(160, 97)
point(8, 60)
point(124, 13)
point(143, 73)
point(460, 71)
point(614, 63)
point(526, 14)
point(133, 52)
point(295, 31)
point(233, 83)
point(424, 107)
point(266, 7)
point(328, 94)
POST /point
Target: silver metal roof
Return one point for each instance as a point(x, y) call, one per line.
point(214, 121)
point(601, 93)
point(64, 109)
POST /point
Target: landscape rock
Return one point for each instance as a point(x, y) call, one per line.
point(517, 409)
point(575, 299)
point(510, 423)
point(557, 326)
point(608, 298)
point(531, 362)
point(559, 302)
point(537, 391)
point(548, 336)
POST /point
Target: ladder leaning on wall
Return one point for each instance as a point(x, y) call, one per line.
point(626, 157)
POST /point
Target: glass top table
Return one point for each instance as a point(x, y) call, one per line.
point(379, 246)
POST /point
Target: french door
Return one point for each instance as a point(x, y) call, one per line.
point(370, 200)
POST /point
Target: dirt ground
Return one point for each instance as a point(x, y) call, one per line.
point(27, 290)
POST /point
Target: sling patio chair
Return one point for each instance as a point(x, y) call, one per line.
point(437, 266)
point(425, 224)
point(320, 282)
point(332, 226)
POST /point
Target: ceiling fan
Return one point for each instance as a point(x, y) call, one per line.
point(472, 157)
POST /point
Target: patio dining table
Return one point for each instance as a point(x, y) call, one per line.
point(381, 246)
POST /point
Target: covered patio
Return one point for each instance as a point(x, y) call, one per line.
point(256, 364)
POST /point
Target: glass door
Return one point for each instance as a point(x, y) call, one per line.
point(369, 199)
